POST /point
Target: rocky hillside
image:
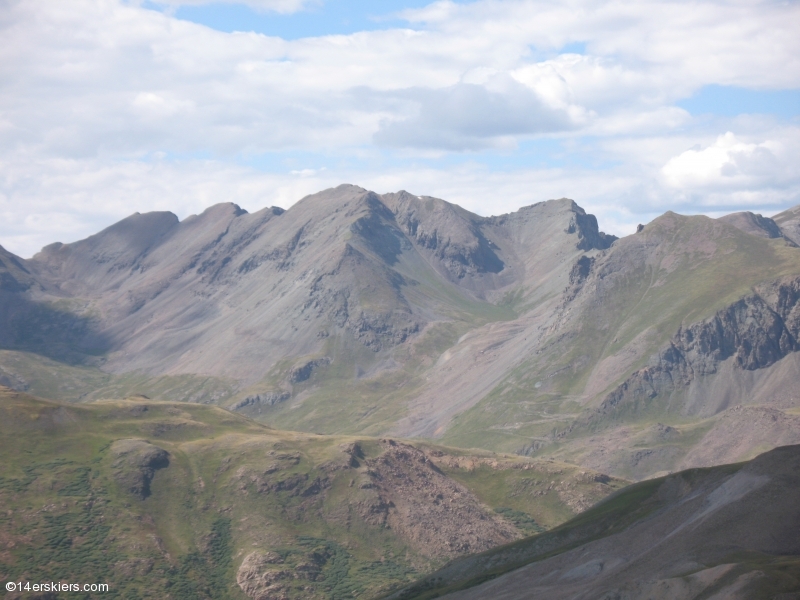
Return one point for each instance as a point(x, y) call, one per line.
point(725, 532)
point(653, 342)
point(186, 501)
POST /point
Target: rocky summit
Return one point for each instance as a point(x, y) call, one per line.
point(335, 399)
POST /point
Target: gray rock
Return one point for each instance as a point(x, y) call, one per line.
point(261, 399)
point(135, 463)
point(755, 332)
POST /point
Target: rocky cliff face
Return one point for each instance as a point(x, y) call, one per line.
point(447, 234)
point(754, 332)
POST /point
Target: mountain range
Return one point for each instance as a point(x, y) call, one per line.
point(356, 313)
point(390, 333)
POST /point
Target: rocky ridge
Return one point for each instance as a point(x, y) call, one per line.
point(204, 295)
point(754, 333)
point(789, 223)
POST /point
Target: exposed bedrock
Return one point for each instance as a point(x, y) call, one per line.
point(755, 332)
point(589, 235)
point(448, 232)
point(135, 464)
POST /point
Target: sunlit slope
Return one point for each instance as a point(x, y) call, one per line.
point(620, 310)
point(176, 500)
point(719, 532)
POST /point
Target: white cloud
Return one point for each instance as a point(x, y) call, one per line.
point(69, 200)
point(469, 116)
point(729, 163)
point(123, 79)
point(66, 200)
point(98, 97)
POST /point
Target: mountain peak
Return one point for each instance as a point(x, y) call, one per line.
point(753, 224)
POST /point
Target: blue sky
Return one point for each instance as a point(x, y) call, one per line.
point(334, 17)
point(731, 101)
point(630, 108)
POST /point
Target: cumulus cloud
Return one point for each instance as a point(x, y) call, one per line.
point(117, 78)
point(730, 163)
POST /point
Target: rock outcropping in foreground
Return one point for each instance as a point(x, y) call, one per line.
point(727, 532)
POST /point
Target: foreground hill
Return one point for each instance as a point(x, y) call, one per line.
point(354, 313)
point(185, 501)
point(724, 532)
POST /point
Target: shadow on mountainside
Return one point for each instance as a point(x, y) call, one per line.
point(49, 330)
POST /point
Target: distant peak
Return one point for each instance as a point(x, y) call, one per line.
point(753, 224)
point(348, 186)
point(225, 208)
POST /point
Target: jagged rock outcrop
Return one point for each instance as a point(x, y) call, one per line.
point(260, 399)
point(754, 333)
point(577, 277)
point(303, 371)
point(448, 232)
point(589, 235)
point(135, 463)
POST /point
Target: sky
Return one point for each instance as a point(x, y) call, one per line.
point(631, 108)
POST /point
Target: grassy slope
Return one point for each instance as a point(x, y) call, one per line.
point(50, 378)
point(701, 266)
point(66, 517)
point(615, 514)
